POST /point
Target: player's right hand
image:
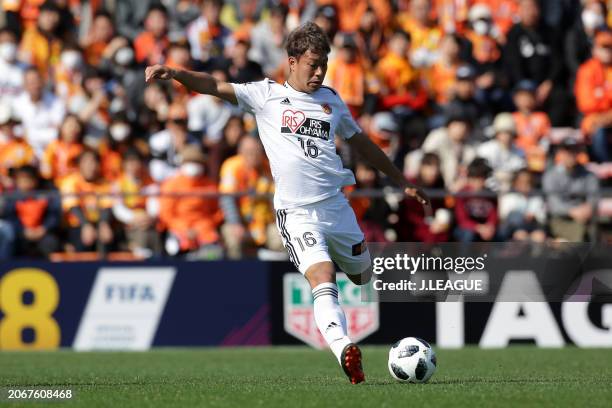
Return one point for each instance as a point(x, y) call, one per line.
point(158, 72)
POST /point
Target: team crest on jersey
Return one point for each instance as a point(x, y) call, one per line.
point(296, 122)
point(326, 108)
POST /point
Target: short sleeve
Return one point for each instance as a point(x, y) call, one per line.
point(253, 95)
point(347, 127)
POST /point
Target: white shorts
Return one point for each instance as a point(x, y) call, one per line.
point(324, 231)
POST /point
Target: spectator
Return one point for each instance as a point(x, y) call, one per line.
point(384, 131)
point(572, 194)
point(119, 139)
point(192, 220)
point(424, 34)
point(208, 115)
point(207, 36)
point(532, 126)
point(533, 52)
point(501, 153)
point(372, 213)
point(249, 221)
point(347, 75)
point(41, 44)
point(326, 17)
point(233, 132)
point(68, 73)
point(99, 37)
point(91, 103)
point(87, 205)
point(167, 146)
point(560, 13)
point(424, 78)
point(241, 69)
point(11, 70)
point(451, 15)
point(450, 145)
point(580, 38)
point(181, 14)
point(14, 149)
point(400, 83)
point(131, 208)
point(504, 14)
point(522, 213)
point(371, 37)
point(476, 213)
point(155, 108)
point(34, 217)
point(443, 72)
point(267, 39)
point(485, 50)
point(150, 45)
point(594, 96)
point(241, 15)
point(179, 57)
point(39, 111)
point(119, 62)
point(413, 224)
point(130, 16)
point(464, 99)
point(350, 13)
point(59, 159)
point(484, 53)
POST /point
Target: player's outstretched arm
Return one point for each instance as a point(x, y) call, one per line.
point(371, 153)
point(200, 82)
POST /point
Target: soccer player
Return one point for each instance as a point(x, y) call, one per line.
point(297, 122)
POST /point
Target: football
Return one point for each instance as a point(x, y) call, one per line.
point(412, 360)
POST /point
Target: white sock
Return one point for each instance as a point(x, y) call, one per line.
point(330, 317)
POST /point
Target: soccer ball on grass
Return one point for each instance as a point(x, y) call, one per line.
point(412, 360)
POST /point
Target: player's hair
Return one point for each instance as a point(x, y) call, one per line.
point(308, 36)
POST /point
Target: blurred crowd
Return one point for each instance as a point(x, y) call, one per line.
point(501, 108)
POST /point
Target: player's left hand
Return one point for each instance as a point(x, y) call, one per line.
point(158, 72)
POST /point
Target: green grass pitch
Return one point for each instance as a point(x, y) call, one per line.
point(519, 376)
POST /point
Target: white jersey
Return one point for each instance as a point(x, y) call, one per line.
point(297, 130)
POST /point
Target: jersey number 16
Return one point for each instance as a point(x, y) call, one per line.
point(309, 147)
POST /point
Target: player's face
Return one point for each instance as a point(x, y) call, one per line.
point(308, 71)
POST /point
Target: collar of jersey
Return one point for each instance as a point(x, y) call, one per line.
point(292, 89)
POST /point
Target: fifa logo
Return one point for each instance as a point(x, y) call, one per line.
point(129, 293)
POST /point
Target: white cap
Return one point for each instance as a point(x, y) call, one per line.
point(385, 121)
point(479, 11)
point(504, 122)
